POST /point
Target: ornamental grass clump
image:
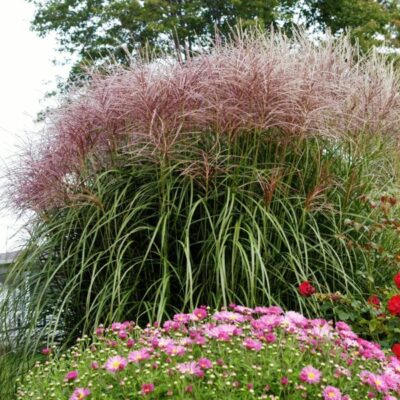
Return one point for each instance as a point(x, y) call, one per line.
point(227, 178)
point(253, 83)
point(240, 353)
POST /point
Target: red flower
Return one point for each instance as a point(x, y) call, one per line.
point(306, 289)
point(394, 305)
point(396, 350)
point(147, 388)
point(396, 280)
point(374, 301)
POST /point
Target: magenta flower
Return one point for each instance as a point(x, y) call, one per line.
point(116, 363)
point(123, 335)
point(139, 355)
point(147, 388)
point(200, 340)
point(295, 319)
point(99, 331)
point(376, 382)
point(94, 365)
point(117, 326)
point(112, 343)
point(310, 375)
point(182, 318)
point(199, 314)
point(275, 310)
point(332, 393)
point(171, 326)
point(284, 380)
point(270, 338)
point(267, 322)
point(189, 389)
point(46, 351)
point(243, 310)
point(173, 350)
point(190, 368)
point(71, 376)
point(342, 326)
point(223, 332)
point(204, 363)
point(229, 316)
point(162, 343)
point(252, 344)
point(80, 394)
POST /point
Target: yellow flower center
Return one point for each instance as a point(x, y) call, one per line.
point(311, 375)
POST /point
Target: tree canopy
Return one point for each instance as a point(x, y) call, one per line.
point(96, 29)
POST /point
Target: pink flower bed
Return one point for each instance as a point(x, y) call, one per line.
point(236, 353)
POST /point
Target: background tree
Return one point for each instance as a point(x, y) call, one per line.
point(94, 30)
point(370, 21)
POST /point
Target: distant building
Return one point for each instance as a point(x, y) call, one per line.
point(6, 259)
point(16, 318)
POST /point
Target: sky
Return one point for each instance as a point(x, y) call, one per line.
point(27, 72)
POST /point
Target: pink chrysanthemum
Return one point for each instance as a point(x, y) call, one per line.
point(252, 344)
point(310, 375)
point(139, 355)
point(270, 337)
point(190, 368)
point(229, 316)
point(272, 310)
point(80, 394)
point(199, 314)
point(116, 363)
point(117, 326)
point(204, 363)
point(332, 393)
point(162, 343)
point(182, 318)
point(223, 332)
point(173, 350)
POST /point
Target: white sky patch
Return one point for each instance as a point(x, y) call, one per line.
point(26, 74)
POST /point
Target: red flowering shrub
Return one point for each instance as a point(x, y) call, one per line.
point(394, 305)
point(306, 289)
point(374, 301)
point(396, 349)
point(396, 280)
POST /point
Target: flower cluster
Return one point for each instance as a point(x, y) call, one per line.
point(393, 307)
point(388, 321)
point(236, 353)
